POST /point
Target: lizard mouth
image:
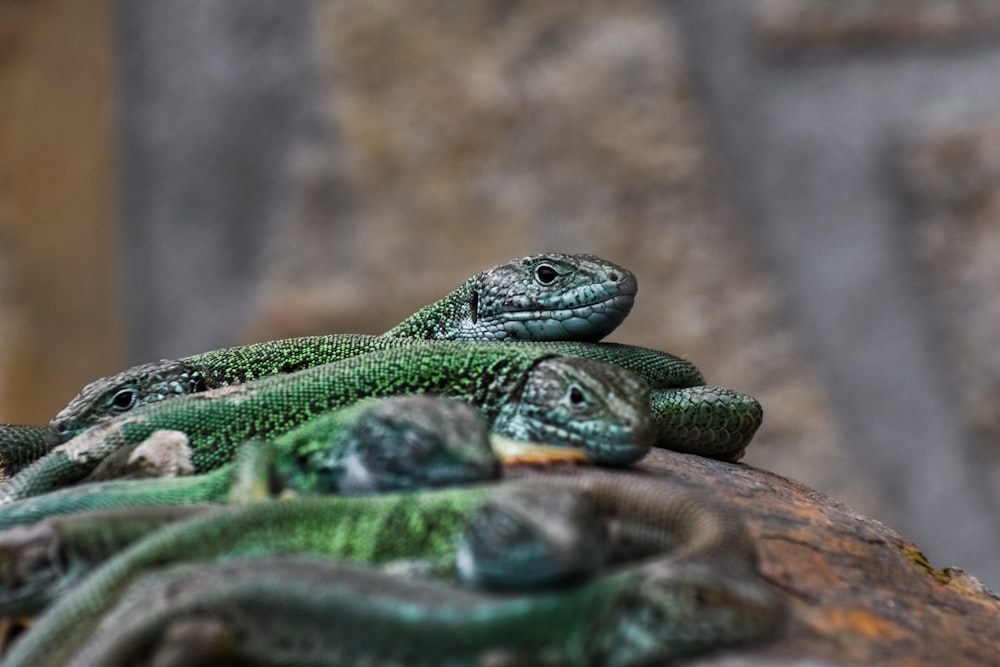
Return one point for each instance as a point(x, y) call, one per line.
point(585, 322)
point(617, 303)
point(517, 452)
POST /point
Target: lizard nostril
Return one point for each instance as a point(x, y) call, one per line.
point(613, 277)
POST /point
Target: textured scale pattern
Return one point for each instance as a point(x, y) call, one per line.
point(211, 487)
point(391, 444)
point(546, 297)
point(712, 421)
point(488, 375)
point(251, 362)
point(543, 297)
point(19, 446)
point(160, 379)
point(702, 587)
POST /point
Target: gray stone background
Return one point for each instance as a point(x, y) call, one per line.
point(808, 191)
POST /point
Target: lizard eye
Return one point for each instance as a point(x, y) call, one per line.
point(198, 382)
point(123, 399)
point(545, 274)
point(576, 397)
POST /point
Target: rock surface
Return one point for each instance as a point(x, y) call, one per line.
point(859, 593)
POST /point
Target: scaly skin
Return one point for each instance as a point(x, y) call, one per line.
point(506, 543)
point(400, 443)
point(210, 487)
point(394, 444)
point(693, 420)
point(598, 407)
point(543, 297)
point(643, 517)
point(139, 386)
point(48, 557)
point(20, 445)
point(711, 421)
point(296, 611)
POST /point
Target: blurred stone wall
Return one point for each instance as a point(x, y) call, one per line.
point(60, 295)
point(851, 125)
point(952, 179)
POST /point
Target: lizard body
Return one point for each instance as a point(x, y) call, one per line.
point(691, 416)
point(643, 518)
point(598, 407)
point(538, 290)
point(531, 294)
point(337, 614)
point(21, 444)
point(120, 393)
point(393, 444)
point(543, 297)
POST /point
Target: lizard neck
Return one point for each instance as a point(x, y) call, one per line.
point(454, 317)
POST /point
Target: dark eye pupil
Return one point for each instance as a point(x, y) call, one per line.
point(546, 274)
point(123, 400)
point(576, 396)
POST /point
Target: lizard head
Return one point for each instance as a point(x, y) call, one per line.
point(400, 443)
point(676, 608)
point(508, 543)
point(552, 297)
point(597, 407)
point(117, 394)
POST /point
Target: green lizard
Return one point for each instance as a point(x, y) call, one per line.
point(691, 416)
point(20, 445)
point(600, 408)
point(118, 394)
point(282, 611)
point(46, 558)
point(393, 444)
point(543, 297)
point(378, 445)
point(530, 294)
point(708, 420)
point(643, 517)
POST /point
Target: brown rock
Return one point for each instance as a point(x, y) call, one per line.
point(858, 592)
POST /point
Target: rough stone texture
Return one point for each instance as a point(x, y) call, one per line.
point(59, 305)
point(858, 592)
point(818, 24)
point(952, 179)
point(567, 126)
